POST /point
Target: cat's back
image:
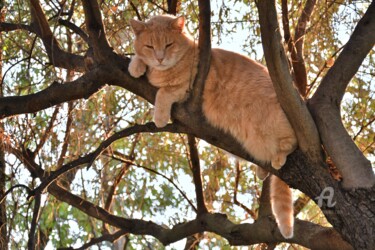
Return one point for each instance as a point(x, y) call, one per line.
point(237, 78)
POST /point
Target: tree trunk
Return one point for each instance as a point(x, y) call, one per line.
point(3, 224)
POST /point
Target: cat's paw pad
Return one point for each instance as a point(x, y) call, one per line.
point(136, 68)
point(278, 161)
point(161, 120)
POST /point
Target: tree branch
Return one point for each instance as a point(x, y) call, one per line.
point(94, 241)
point(291, 102)
point(34, 223)
point(96, 31)
point(4, 26)
point(173, 6)
point(75, 29)
point(325, 105)
point(56, 93)
point(297, 57)
point(196, 169)
point(50, 177)
point(264, 230)
point(57, 56)
point(204, 46)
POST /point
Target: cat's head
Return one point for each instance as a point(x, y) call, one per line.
point(162, 41)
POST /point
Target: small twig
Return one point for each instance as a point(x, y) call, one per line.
point(91, 157)
point(75, 29)
point(130, 162)
point(94, 241)
point(135, 10)
point(11, 190)
point(235, 201)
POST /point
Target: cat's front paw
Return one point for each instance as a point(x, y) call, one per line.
point(161, 119)
point(136, 68)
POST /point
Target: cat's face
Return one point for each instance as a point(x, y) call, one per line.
point(161, 42)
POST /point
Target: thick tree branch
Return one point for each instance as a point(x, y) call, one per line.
point(264, 230)
point(56, 93)
point(57, 56)
point(14, 26)
point(96, 31)
point(325, 105)
point(291, 102)
point(173, 6)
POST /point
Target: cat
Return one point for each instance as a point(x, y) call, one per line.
point(238, 97)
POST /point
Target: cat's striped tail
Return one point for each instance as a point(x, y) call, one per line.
point(282, 206)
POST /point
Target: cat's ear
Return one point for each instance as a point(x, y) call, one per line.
point(178, 23)
point(137, 26)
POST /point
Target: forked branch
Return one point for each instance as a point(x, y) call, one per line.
point(325, 106)
point(291, 102)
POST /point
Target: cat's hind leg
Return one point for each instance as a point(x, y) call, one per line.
point(286, 146)
point(278, 160)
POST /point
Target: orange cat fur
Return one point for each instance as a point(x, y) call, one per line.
point(238, 97)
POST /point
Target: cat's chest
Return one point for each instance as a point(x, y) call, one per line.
point(167, 78)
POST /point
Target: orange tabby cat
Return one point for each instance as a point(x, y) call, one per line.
point(238, 97)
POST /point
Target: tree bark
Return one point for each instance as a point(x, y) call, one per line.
point(325, 106)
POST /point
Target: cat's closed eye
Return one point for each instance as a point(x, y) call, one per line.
point(168, 45)
point(149, 46)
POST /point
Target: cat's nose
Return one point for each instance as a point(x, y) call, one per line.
point(159, 55)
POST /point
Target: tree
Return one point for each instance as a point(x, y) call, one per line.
point(75, 137)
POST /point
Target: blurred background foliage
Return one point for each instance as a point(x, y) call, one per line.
point(158, 184)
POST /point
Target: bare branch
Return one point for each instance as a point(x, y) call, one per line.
point(34, 223)
point(291, 102)
point(295, 45)
point(235, 200)
point(57, 56)
point(173, 6)
point(204, 46)
point(307, 234)
point(14, 26)
point(90, 158)
point(195, 166)
point(325, 105)
point(94, 241)
point(75, 29)
point(297, 55)
point(96, 31)
point(56, 93)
